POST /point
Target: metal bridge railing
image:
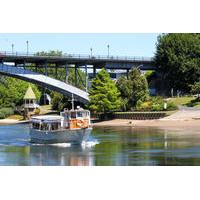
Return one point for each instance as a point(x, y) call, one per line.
point(74, 56)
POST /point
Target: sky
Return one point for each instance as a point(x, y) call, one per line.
point(120, 44)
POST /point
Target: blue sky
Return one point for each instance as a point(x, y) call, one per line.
point(121, 44)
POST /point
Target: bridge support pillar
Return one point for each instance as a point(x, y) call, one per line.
point(24, 65)
point(86, 79)
point(94, 71)
point(127, 73)
point(56, 71)
point(46, 72)
point(67, 73)
point(76, 74)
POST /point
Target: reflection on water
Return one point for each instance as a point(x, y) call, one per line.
point(116, 146)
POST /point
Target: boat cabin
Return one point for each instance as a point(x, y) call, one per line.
point(76, 118)
point(47, 123)
point(73, 119)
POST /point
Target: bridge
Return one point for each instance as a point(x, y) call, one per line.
point(44, 81)
point(22, 61)
point(97, 61)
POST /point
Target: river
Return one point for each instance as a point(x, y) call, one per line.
point(113, 146)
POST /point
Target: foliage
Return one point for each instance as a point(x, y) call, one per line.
point(156, 104)
point(37, 111)
point(177, 60)
point(134, 88)
point(58, 101)
point(16, 117)
point(171, 106)
point(194, 103)
point(195, 89)
point(13, 90)
point(5, 112)
point(181, 100)
point(149, 74)
point(104, 95)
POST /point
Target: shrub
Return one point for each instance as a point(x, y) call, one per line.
point(171, 106)
point(156, 104)
point(2, 115)
point(145, 106)
point(37, 111)
point(5, 112)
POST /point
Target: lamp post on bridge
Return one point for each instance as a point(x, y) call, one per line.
point(91, 52)
point(108, 46)
point(27, 47)
point(12, 48)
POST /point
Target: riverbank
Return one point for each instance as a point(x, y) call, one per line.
point(149, 123)
point(12, 121)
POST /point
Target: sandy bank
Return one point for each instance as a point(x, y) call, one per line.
point(150, 123)
point(11, 121)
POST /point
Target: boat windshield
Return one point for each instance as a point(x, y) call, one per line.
point(76, 114)
point(46, 126)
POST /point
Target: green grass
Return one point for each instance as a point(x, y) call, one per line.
point(197, 106)
point(181, 100)
point(16, 117)
point(46, 107)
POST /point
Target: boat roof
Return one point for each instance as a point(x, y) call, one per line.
point(47, 118)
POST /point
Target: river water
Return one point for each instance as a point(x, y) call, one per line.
point(113, 146)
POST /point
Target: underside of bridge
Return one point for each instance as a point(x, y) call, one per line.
point(44, 81)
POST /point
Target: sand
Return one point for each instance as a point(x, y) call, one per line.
point(11, 121)
point(150, 123)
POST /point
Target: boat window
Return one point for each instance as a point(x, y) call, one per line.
point(35, 125)
point(55, 126)
point(44, 127)
point(79, 114)
point(73, 114)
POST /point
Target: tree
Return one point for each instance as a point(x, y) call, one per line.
point(134, 89)
point(12, 91)
point(177, 59)
point(104, 95)
point(195, 89)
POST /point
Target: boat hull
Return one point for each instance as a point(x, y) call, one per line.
point(76, 136)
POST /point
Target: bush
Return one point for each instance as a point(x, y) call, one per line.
point(5, 112)
point(156, 104)
point(145, 106)
point(2, 115)
point(37, 111)
point(171, 106)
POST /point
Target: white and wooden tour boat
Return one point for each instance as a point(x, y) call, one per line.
point(72, 126)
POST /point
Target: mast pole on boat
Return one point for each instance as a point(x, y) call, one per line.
point(72, 101)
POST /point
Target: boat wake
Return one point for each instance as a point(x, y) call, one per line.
point(89, 144)
point(84, 144)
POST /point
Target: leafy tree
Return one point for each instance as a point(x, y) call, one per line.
point(195, 89)
point(104, 95)
point(13, 90)
point(177, 59)
point(134, 89)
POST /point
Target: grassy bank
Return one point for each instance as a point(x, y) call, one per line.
point(181, 101)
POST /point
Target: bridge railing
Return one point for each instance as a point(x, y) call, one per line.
point(74, 56)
